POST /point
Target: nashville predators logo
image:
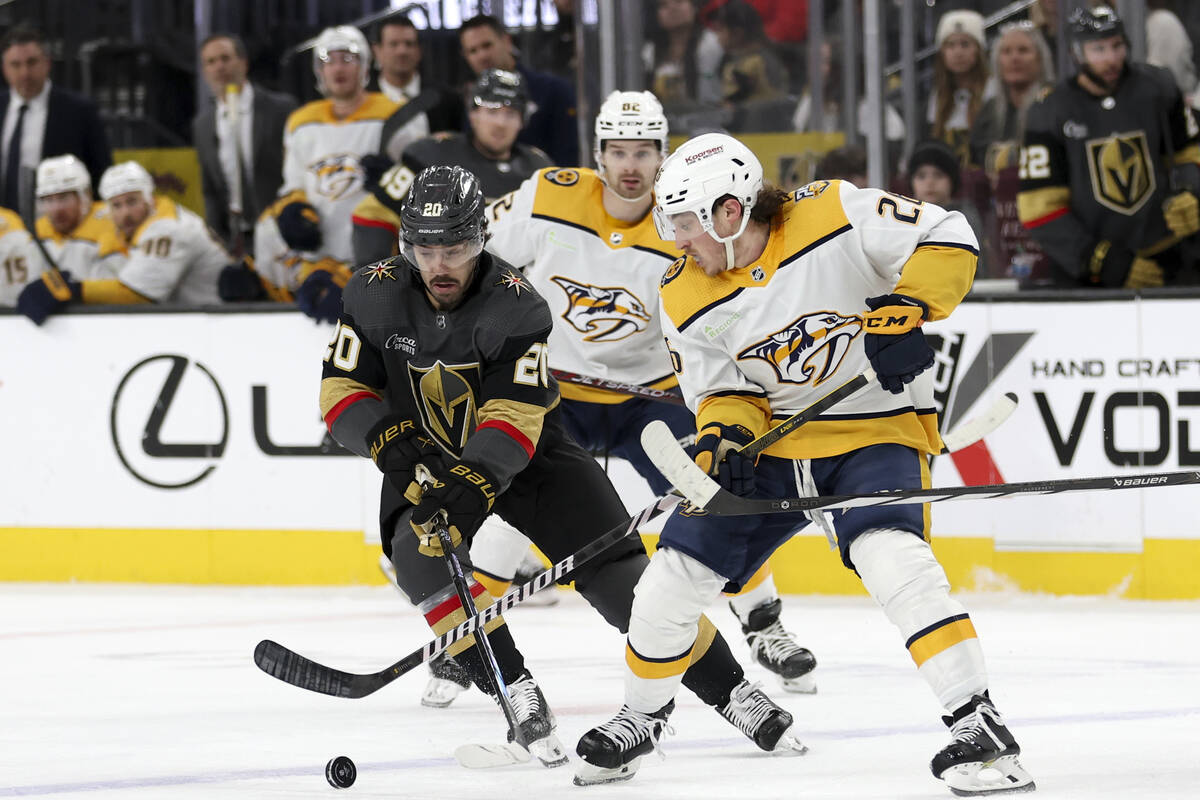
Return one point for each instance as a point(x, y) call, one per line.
point(808, 350)
point(338, 176)
point(604, 313)
point(563, 177)
point(1121, 170)
point(446, 400)
point(673, 271)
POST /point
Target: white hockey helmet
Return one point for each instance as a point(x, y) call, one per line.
point(345, 38)
point(128, 176)
point(60, 174)
point(703, 170)
point(631, 115)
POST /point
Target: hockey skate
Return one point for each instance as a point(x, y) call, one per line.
point(981, 758)
point(447, 680)
point(776, 649)
point(536, 721)
point(529, 568)
point(612, 751)
point(767, 725)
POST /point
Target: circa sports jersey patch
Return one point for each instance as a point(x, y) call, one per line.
point(1121, 170)
point(563, 177)
point(604, 313)
point(512, 280)
point(809, 349)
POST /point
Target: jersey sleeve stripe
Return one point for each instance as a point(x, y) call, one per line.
point(705, 309)
point(1053, 215)
point(1038, 206)
point(512, 431)
point(374, 223)
point(345, 403)
point(959, 245)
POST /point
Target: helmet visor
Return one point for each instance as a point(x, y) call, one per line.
point(430, 259)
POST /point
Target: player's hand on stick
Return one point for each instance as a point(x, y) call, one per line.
point(893, 341)
point(716, 452)
point(397, 446)
point(463, 493)
point(48, 295)
point(1182, 213)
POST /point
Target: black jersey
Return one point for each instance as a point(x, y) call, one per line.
point(475, 377)
point(1096, 168)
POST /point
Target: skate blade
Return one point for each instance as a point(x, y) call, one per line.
point(788, 746)
point(1005, 775)
point(805, 684)
point(440, 693)
point(549, 751)
point(589, 775)
point(488, 756)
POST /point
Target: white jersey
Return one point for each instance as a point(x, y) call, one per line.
point(93, 251)
point(322, 165)
point(20, 260)
point(598, 274)
point(759, 343)
point(174, 257)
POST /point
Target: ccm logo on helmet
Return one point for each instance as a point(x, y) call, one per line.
point(692, 159)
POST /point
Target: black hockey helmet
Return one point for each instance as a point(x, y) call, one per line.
point(1101, 22)
point(497, 88)
point(444, 206)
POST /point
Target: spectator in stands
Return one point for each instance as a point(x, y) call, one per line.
point(172, 254)
point(934, 177)
point(41, 120)
point(843, 164)
point(753, 79)
point(249, 153)
point(1021, 69)
point(682, 59)
point(959, 79)
point(487, 45)
point(1168, 45)
point(1044, 16)
point(831, 121)
point(430, 107)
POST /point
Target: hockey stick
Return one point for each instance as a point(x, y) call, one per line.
point(976, 428)
point(619, 387)
point(702, 491)
point(290, 667)
point(516, 751)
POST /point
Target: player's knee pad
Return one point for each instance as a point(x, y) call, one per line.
point(610, 588)
point(902, 574)
point(497, 548)
point(671, 595)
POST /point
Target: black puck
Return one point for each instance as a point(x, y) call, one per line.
point(340, 772)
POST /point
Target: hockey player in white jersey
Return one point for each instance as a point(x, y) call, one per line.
point(20, 260)
point(173, 257)
point(588, 245)
point(778, 298)
point(302, 242)
point(77, 231)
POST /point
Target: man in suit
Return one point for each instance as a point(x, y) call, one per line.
point(397, 51)
point(243, 128)
point(41, 120)
point(551, 123)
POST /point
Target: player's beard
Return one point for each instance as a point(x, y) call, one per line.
point(1108, 87)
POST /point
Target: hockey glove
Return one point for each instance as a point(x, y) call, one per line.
point(300, 226)
point(240, 283)
point(320, 297)
point(717, 454)
point(463, 495)
point(1182, 213)
point(1113, 265)
point(373, 166)
point(50, 294)
point(894, 343)
point(397, 446)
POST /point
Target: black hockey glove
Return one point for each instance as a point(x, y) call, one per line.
point(240, 283)
point(43, 297)
point(1182, 214)
point(463, 494)
point(373, 166)
point(1114, 266)
point(300, 226)
point(717, 454)
point(397, 446)
point(320, 297)
point(896, 349)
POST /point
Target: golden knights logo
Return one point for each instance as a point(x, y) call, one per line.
point(1122, 171)
point(446, 400)
point(604, 313)
point(337, 176)
point(809, 349)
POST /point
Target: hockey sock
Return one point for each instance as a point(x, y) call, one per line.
point(759, 590)
point(902, 574)
point(713, 674)
point(444, 611)
point(511, 662)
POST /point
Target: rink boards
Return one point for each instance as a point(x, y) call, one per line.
point(188, 447)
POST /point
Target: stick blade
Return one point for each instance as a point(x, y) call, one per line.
point(290, 667)
point(489, 756)
point(977, 428)
point(664, 450)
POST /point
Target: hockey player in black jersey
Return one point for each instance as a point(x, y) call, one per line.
point(439, 358)
point(1110, 167)
point(497, 107)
